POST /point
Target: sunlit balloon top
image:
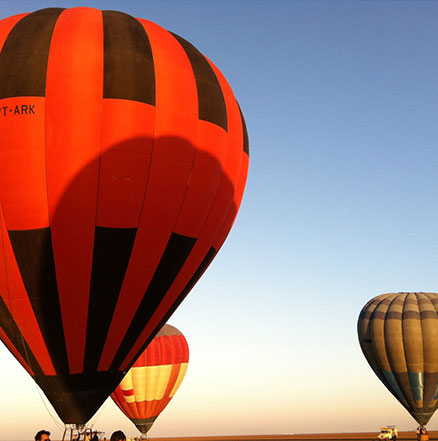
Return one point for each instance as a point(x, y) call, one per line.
point(123, 160)
point(398, 333)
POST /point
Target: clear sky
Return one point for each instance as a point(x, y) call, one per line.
point(341, 104)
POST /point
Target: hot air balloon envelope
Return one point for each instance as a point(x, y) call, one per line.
point(153, 379)
point(123, 159)
point(398, 334)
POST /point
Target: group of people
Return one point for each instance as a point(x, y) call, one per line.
point(88, 436)
point(118, 435)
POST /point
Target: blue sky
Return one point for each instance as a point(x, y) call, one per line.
point(340, 100)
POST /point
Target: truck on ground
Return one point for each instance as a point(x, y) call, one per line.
point(388, 433)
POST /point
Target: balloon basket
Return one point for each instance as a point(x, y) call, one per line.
point(72, 432)
point(68, 432)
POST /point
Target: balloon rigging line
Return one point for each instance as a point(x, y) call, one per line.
point(57, 423)
point(60, 427)
point(99, 413)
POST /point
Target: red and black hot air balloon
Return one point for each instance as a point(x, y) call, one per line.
point(123, 160)
point(154, 378)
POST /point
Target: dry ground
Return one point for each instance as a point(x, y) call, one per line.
point(364, 436)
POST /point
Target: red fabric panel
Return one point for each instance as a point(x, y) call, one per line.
point(127, 141)
point(161, 405)
point(181, 350)
point(211, 147)
point(22, 165)
point(172, 158)
point(134, 409)
point(129, 409)
point(172, 380)
point(175, 351)
point(184, 350)
point(166, 347)
point(232, 168)
point(149, 408)
point(119, 399)
point(15, 298)
point(144, 409)
point(152, 355)
point(216, 219)
point(73, 118)
point(152, 407)
point(232, 212)
point(240, 170)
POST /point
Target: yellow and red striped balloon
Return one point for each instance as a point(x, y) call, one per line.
point(154, 378)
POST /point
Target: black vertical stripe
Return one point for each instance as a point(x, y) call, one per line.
point(112, 250)
point(7, 323)
point(245, 134)
point(211, 102)
point(24, 57)
point(177, 250)
point(128, 63)
point(34, 254)
point(190, 284)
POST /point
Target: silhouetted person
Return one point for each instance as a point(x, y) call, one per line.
point(118, 435)
point(42, 435)
point(424, 436)
point(94, 437)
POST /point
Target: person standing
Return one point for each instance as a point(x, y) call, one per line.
point(424, 436)
point(118, 435)
point(42, 435)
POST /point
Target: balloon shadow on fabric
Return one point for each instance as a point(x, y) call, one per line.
point(130, 233)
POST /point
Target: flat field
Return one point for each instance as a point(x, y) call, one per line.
point(364, 436)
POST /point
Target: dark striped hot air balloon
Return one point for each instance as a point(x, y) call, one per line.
point(154, 378)
point(123, 160)
point(398, 334)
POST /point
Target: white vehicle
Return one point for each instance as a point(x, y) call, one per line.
point(388, 433)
